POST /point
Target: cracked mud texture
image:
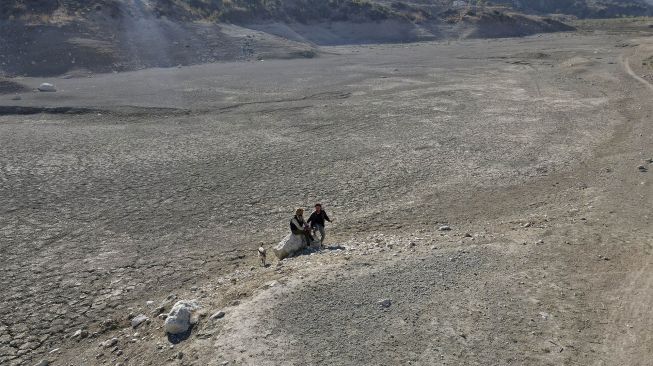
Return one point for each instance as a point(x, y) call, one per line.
point(112, 206)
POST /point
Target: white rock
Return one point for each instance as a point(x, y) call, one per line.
point(290, 245)
point(138, 320)
point(110, 342)
point(178, 320)
point(444, 228)
point(81, 333)
point(47, 87)
point(218, 315)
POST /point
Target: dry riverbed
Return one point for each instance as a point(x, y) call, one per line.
point(134, 190)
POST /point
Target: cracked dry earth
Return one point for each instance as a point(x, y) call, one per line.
point(163, 183)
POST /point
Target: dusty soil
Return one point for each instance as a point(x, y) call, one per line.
point(160, 184)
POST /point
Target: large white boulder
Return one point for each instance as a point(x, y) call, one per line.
point(290, 245)
point(178, 320)
point(47, 87)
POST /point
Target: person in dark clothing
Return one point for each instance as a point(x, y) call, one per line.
point(316, 220)
point(299, 227)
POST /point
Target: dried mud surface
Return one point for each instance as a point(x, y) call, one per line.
point(159, 184)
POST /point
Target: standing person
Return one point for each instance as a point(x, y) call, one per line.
point(316, 220)
point(299, 227)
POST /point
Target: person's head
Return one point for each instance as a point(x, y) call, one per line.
point(318, 207)
point(299, 212)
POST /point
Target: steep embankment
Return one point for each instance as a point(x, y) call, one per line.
point(584, 8)
point(51, 37)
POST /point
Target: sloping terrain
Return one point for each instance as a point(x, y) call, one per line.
point(133, 190)
point(46, 38)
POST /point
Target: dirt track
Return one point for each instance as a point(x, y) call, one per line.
point(167, 179)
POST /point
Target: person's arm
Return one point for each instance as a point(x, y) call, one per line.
point(326, 217)
point(311, 218)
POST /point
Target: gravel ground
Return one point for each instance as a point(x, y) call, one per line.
point(164, 181)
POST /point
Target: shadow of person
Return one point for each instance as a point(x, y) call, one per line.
point(178, 338)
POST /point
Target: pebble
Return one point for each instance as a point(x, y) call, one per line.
point(385, 303)
point(109, 342)
point(81, 333)
point(642, 168)
point(444, 228)
point(220, 314)
point(138, 320)
point(43, 363)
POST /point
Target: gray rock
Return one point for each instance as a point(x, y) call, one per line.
point(43, 363)
point(642, 168)
point(178, 320)
point(47, 87)
point(385, 303)
point(444, 228)
point(80, 334)
point(290, 245)
point(220, 314)
point(138, 320)
point(110, 342)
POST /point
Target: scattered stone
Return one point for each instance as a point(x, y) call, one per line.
point(385, 303)
point(642, 168)
point(220, 314)
point(444, 228)
point(468, 235)
point(138, 320)
point(80, 334)
point(178, 320)
point(158, 310)
point(109, 342)
point(539, 241)
point(47, 87)
point(180, 355)
point(43, 363)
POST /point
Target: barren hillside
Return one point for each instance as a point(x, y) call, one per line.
point(51, 37)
